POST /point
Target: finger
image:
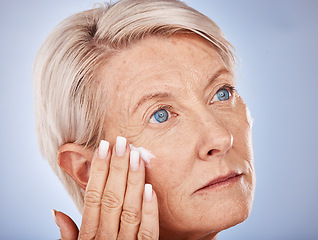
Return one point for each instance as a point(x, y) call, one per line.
point(68, 228)
point(149, 227)
point(131, 214)
point(94, 191)
point(112, 199)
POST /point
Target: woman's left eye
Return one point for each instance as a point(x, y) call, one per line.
point(222, 95)
point(160, 116)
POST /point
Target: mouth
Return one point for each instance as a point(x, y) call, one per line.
point(220, 182)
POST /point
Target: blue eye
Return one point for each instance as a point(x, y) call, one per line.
point(222, 95)
point(160, 116)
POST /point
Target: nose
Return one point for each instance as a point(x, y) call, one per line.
point(215, 140)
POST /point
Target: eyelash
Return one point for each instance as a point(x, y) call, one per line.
point(165, 107)
point(229, 87)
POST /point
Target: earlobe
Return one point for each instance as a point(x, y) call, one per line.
point(75, 161)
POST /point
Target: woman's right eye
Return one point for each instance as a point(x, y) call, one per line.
point(160, 116)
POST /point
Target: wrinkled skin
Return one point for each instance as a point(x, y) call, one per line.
point(202, 139)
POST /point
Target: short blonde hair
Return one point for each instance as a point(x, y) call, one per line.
point(68, 106)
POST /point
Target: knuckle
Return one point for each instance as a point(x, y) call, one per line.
point(149, 212)
point(130, 216)
point(134, 181)
point(92, 198)
point(111, 201)
point(86, 235)
point(103, 234)
point(146, 235)
point(118, 168)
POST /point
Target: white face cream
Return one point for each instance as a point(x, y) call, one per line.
point(145, 154)
point(250, 119)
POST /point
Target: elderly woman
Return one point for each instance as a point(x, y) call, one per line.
point(156, 79)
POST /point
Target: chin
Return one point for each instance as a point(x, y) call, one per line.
point(209, 225)
point(211, 221)
point(231, 215)
point(231, 210)
point(214, 213)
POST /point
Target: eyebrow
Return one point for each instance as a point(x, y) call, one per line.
point(151, 96)
point(215, 76)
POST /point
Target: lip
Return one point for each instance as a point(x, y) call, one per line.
point(220, 181)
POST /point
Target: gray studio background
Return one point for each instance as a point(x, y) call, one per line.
point(277, 42)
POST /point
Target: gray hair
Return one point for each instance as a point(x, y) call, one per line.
point(68, 106)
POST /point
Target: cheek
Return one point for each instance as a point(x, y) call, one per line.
point(239, 123)
point(242, 140)
point(241, 129)
point(172, 149)
point(171, 163)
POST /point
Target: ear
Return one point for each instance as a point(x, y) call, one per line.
point(75, 161)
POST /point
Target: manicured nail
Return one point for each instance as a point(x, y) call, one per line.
point(121, 146)
point(134, 160)
point(53, 214)
point(148, 192)
point(103, 149)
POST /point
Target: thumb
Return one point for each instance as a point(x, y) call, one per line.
point(68, 228)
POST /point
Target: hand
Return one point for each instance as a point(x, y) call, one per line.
point(117, 203)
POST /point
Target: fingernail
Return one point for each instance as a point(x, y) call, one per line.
point(134, 160)
point(103, 149)
point(120, 146)
point(53, 214)
point(148, 192)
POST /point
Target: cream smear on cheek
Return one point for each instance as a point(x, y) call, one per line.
point(145, 154)
point(250, 120)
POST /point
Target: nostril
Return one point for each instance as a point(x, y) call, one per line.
point(213, 152)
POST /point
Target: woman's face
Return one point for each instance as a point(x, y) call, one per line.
point(174, 97)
